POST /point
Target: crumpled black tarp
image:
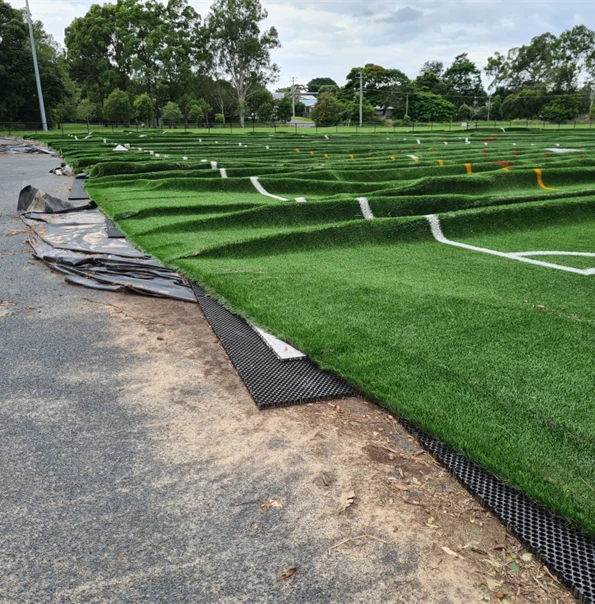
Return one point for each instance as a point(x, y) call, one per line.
point(34, 200)
point(76, 243)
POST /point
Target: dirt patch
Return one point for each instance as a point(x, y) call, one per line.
point(408, 521)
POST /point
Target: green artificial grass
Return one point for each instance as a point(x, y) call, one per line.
point(490, 354)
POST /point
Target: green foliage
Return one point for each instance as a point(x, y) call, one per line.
point(329, 88)
point(116, 108)
point(328, 110)
point(464, 112)
point(240, 50)
point(561, 109)
point(464, 78)
point(87, 110)
point(300, 109)
point(171, 113)
point(199, 110)
point(316, 84)
point(428, 81)
point(18, 97)
point(284, 109)
point(143, 108)
point(428, 107)
point(219, 118)
point(381, 86)
point(525, 104)
point(265, 112)
point(352, 111)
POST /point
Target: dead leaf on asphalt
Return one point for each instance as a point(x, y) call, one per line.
point(270, 504)
point(346, 500)
point(7, 303)
point(288, 573)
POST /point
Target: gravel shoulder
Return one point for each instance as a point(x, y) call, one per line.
point(137, 468)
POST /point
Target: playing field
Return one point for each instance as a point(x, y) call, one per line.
point(451, 276)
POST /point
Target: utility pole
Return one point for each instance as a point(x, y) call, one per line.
point(37, 79)
point(489, 104)
point(361, 98)
point(293, 97)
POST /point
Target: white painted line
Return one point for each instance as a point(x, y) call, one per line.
point(562, 150)
point(550, 253)
point(223, 172)
point(262, 190)
point(439, 236)
point(184, 157)
point(214, 165)
point(300, 199)
point(364, 205)
point(282, 349)
point(418, 141)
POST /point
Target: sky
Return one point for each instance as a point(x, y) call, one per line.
point(326, 38)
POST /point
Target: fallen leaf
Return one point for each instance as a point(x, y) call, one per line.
point(346, 499)
point(514, 568)
point(325, 482)
point(254, 527)
point(6, 303)
point(493, 584)
point(270, 504)
point(499, 546)
point(527, 557)
point(401, 487)
point(500, 595)
point(448, 551)
point(288, 573)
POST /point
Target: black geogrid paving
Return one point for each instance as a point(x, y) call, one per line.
point(568, 552)
point(77, 192)
point(271, 381)
point(113, 232)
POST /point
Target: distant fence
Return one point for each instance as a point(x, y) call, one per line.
point(380, 126)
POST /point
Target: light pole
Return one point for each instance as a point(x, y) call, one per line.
point(37, 79)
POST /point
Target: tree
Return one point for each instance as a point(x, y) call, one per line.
point(328, 110)
point(435, 67)
point(171, 113)
point(265, 112)
point(328, 88)
point(116, 108)
point(352, 111)
point(239, 48)
point(18, 96)
point(86, 111)
point(143, 108)
point(300, 109)
point(199, 111)
point(428, 81)
point(562, 108)
point(315, 84)
point(464, 78)
point(219, 118)
point(284, 109)
point(428, 107)
point(525, 104)
point(382, 87)
point(464, 112)
point(259, 96)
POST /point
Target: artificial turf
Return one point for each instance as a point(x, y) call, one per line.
point(487, 353)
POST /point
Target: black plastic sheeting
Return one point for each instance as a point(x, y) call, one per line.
point(76, 244)
point(271, 381)
point(78, 190)
point(34, 200)
point(113, 232)
point(565, 550)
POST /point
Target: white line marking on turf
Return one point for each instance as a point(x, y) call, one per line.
point(551, 253)
point(223, 172)
point(439, 236)
point(262, 190)
point(214, 165)
point(364, 205)
point(300, 199)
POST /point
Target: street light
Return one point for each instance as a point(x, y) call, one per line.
point(37, 79)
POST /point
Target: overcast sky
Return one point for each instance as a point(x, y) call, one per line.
point(327, 38)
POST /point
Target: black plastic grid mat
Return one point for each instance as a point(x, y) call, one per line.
point(567, 552)
point(271, 381)
point(113, 232)
point(78, 192)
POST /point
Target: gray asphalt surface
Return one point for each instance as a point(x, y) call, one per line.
point(133, 462)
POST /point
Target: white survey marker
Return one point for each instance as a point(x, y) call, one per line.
point(258, 186)
point(223, 172)
point(364, 205)
point(214, 165)
point(300, 199)
point(282, 349)
point(120, 148)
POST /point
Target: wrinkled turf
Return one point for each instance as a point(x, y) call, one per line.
point(492, 355)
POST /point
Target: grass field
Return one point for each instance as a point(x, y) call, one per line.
point(426, 269)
